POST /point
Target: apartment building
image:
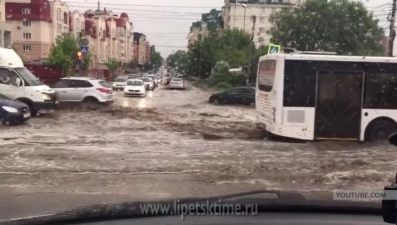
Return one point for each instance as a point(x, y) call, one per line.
point(148, 52)
point(5, 29)
point(211, 22)
point(35, 25)
point(195, 33)
point(109, 36)
point(77, 24)
point(239, 14)
point(140, 46)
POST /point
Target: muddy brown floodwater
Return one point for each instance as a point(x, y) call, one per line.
point(171, 144)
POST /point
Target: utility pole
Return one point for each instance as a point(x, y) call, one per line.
point(392, 33)
point(252, 48)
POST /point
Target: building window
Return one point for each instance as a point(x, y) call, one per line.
point(59, 14)
point(26, 23)
point(27, 36)
point(78, 24)
point(121, 41)
point(261, 39)
point(65, 18)
point(26, 48)
point(261, 29)
point(25, 10)
point(262, 19)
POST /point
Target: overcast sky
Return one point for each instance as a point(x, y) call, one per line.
point(166, 23)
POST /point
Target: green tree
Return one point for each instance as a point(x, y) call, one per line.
point(133, 64)
point(147, 67)
point(156, 60)
point(63, 53)
point(231, 46)
point(341, 26)
point(112, 66)
point(178, 61)
point(234, 47)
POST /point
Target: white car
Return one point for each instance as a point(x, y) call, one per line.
point(154, 78)
point(135, 87)
point(149, 83)
point(119, 83)
point(83, 89)
point(176, 83)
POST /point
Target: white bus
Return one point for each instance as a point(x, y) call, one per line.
point(327, 97)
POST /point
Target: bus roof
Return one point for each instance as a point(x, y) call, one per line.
point(341, 58)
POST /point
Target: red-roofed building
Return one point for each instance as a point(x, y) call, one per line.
point(35, 26)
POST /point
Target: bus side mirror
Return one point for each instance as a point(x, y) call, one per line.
point(18, 82)
point(393, 139)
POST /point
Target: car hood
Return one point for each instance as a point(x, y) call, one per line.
point(148, 82)
point(12, 103)
point(118, 83)
point(44, 88)
point(135, 87)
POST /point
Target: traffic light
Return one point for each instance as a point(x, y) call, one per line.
point(79, 55)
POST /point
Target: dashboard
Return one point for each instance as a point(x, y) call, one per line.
point(262, 218)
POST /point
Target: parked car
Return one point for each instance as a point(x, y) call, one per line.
point(149, 83)
point(12, 111)
point(83, 89)
point(239, 95)
point(176, 83)
point(119, 83)
point(135, 87)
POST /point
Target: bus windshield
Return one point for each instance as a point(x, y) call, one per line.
point(266, 73)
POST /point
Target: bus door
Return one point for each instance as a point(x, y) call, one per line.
point(338, 105)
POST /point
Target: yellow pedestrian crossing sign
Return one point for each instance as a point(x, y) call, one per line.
point(274, 49)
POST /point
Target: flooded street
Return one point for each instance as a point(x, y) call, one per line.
point(171, 144)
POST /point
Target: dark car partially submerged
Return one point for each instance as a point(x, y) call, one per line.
point(13, 112)
point(239, 95)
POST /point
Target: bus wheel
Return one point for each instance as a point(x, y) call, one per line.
point(380, 130)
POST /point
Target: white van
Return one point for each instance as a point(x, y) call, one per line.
point(17, 82)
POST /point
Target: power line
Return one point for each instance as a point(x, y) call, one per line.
point(154, 6)
point(137, 10)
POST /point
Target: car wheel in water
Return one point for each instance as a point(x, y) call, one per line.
point(90, 101)
point(32, 110)
point(216, 101)
point(380, 130)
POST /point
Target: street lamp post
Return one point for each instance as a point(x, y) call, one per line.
point(245, 9)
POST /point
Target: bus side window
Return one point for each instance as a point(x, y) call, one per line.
point(380, 86)
point(299, 83)
point(381, 91)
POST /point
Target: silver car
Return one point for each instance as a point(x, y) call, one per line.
point(83, 89)
point(119, 83)
point(176, 83)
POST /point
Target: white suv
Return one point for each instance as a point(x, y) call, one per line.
point(83, 89)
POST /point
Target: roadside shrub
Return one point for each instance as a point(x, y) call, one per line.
point(223, 85)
